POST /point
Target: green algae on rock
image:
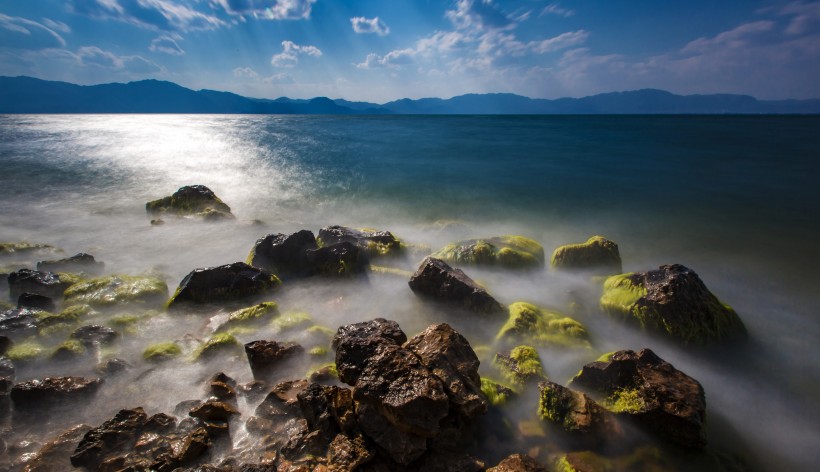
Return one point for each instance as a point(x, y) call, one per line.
point(576, 413)
point(597, 254)
point(218, 343)
point(26, 351)
point(252, 315)
point(530, 324)
point(497, 393)
point(190, 200)
point(69, 350)
point(161, 352)
point(22, 247)
point(373, 242)
point(114, 290)
point(673, 301)
point(522, 365)
point(509, 252)
point(644, 458)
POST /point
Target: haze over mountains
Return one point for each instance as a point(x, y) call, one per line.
point(30, 95)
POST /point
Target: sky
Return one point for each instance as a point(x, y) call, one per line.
point(382, 50)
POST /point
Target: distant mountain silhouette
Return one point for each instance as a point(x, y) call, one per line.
point(30, 95)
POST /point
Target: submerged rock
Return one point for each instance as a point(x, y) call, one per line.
point(161, 352)
point(222, 284)
point(251, 316)
point(34, 301)
point(577, 414)
point(510, 252)
point(190, 200)
point(94, 335)
point(521, 366)
point(373, 242)
point(118, 290)
point(22, 247)
point(597, 254)
point(18, 323)
point(47, 284)
point(648, 389)
point(541, 327)
point(671, 300)
point(284, 255)
point(219, 343)
point(341, 259)
point(265, 356)
point(55, 454)
point(81, 262)
point(436, 280)
point(52, 391)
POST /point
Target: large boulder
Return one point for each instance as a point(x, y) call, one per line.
point(673, 301)
point(266, 356)
point(284, 255)
point(32, 281)
point(223, 284)
point(18, 323)
point(81, 262)
point(597, 254)
point(536, 326)
point(118, 290)
point(55, 454)
point(196, 200)
point(509, 252)
point(373, 242)
point(577, 414)
point(436, 280)
point(648, 389)
point(52, 391)
point(34, 301)
point(340, 259)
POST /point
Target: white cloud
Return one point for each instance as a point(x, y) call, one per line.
point(93, 56)
point(394, 59)
point(279, 79)
point(555, 9)
point(479, 15)
point(291, 51)
point(22, 33)
point(562, 41)
point(245, 72)
point(57, 25)
point(167, 43)
point(805, 16)
point(364, 25)
point(269, 9)
point(157, 15)
point(735, 38)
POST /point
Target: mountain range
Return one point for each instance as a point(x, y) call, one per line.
point(31, 95)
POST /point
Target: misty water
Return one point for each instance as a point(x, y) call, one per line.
point(733, 198)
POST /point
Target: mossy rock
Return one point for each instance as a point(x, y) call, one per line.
point(318, 351)
point(69, 350)
point(323, 373)
point(27, 351)
point(509, 252)
point(373, 242)
point(521, 366)
point(625, 401)
point(536, 326)
point(643, 459)
point(161, 352)
point(22, 247)
point(250, 316)
point(223, 284)
point(219, 343)
point(497, 393)
point(597, 254)
point(190, 200)
point(672, 301)
point(291, 320)
point(390, 271)
point(114, 290)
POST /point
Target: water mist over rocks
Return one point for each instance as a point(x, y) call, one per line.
point(432, 184)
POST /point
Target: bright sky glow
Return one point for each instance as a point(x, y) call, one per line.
point(379, 50)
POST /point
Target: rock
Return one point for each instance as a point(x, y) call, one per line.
point(222, 284)
point(518, 463)
point(356, 343)
point(218, 344)
point(598, 255)
point(341, 259)
point(673, 301)
point(509, 252)
point(346, 454)
point(222, 391)
point(52, 391)
point(644, 458)
point(251, 316)
point(496, 393)
point(26, 351)
point(265, 356)
point(94, 335)
point(373, 242)
point(118, 290)
point(576, 414)
point(33, 301)
point(112, 367)
point(7, 371)
point(69, 351)
point(327, 409)
point(521, 366)
point(540, 327)
point(284, 255)
point(18, 323)
point(81, 262)
point(282, 401)
point(22, 247)
point(448, 355)
point(157, 222)
point(447, 461)
point(253, 390)
point(54, 455)
point(189, 200)
point(651, 391)
point(214, 411)
point(46, 284)
point(161, 352)
point(5, 344)
point(436, 280)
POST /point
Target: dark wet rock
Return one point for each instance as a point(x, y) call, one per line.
point(327, 409)
point(373, 242)
point(253, 390)
point(447, 461)
point(651, 391)
point(448, 355)
point(54, 455)
point(18, 323)
point(341, 259)
point(324, 374)
point(222, 284)
point(223, 378)
point(509, 252)
point(521, 366)
point(47, 284)
point(7, 370)
point(52, 391)
point(189, 200)
point(576, 414)
point(160, 423)
point(185, 406)
point(112, 367)
point(115, 435)
point(346, 454)
point(436, 280)
point(94, 335)
point(673, 301)
point(69, 351)
point(597, 254)
point(5, 344)
point(157, 222)
point(266, 356)
point(222, 391)
point(518, 463)
point(282, 401)
point(77, 263)
point(118, 290)
point(34, 301)
point(284, 255)
point(355, 343)
point(214, 411)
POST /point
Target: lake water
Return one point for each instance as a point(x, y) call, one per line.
point(736, 198)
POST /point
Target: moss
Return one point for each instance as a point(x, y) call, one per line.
point(606, 357)
point(126, 323)
point(511, 252)
point(597, 253)
point(117, 290)
point(644, 459)
point(400, 273)
point(161, 352)
point(26, 351)
point(625, 401)
point(523, 364)
point(620, 295)
point(497, 394)
point(530, 324)
point(219, 342)
point(291, 320)
point(5, 306)
point(318, 351)
point(240, 321)
point(70, 349)
point(188, 201)
point(22, 246)
point(322, 372)
point(70, 278)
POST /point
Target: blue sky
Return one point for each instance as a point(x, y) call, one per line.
point(381, 50)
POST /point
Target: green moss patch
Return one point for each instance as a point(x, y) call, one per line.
point(497, 394)
point(509, 252)
point(292, 320)
point(116, 290)
point(521, 366)
point(596, 254)
point(625, 401)
point(219, 343)
point(530, 324)
point(161, 352)
point(26, 351)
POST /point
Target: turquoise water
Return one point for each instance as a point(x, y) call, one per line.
point(734, 198)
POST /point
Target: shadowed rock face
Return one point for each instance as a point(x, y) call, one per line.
point(340, 259)
point(190, 200)
point(47, 284)
point(34, 301)
point(438, 281)
point(597, 254)
point(265, 356)
point(81, 262)
point(223, 283)
point(577, 414)
point(52, 391)
point(648, 389)
point(284, 255)
point(373, 243)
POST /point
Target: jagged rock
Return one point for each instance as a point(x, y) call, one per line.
point(436, 280)
point(448, 355)
point(374, 243)
point(346, 454)
point(253, 390)
point(47, 284)
point(576, 414)
point(118, 290)
point(648, 389)
point(597, 254)
point(537, 326)
point(284, 255)
point(341, 259)
point(18, 323)
point(327, 409)
point(189, 200)
point(94, 335)
point(265, 356)
point(282, 401)
point(52, 391)
point(355, 343)
point(511, 252)
point(673, 301)
point(54, 455)
point(33, 301)
point(117, 434)
point(213, 411)
point(521, 366)
point(222, 284)
point(222, 391)
point(77, 263)
point(518, 463)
